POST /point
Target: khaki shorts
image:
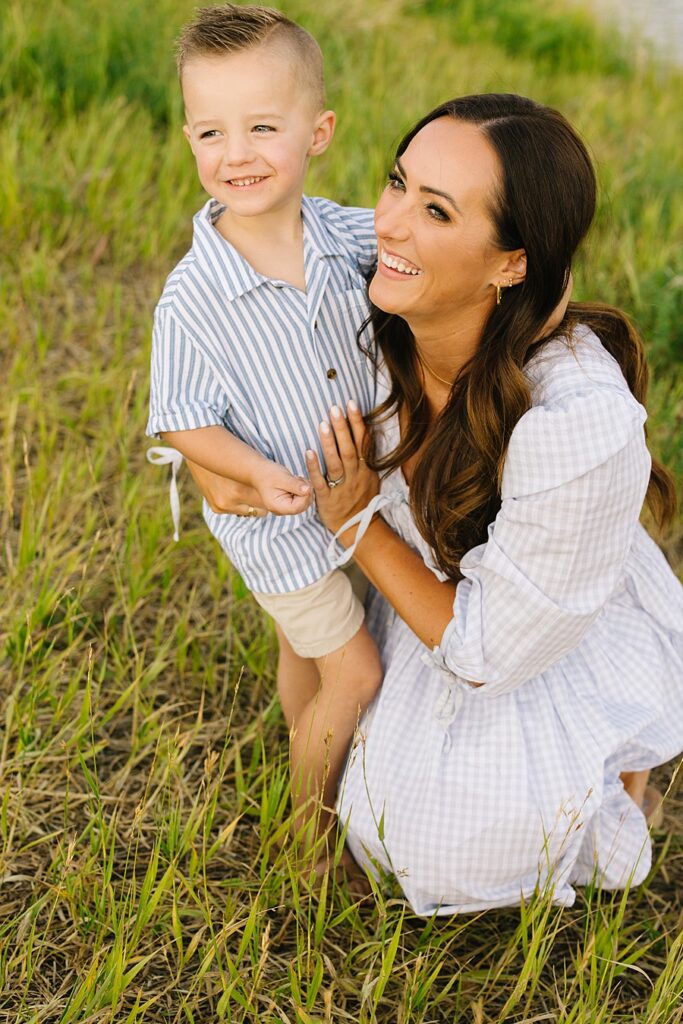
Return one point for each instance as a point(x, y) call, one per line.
point(323, 617)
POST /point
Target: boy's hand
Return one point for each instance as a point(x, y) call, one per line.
point(280, 492)
point(226, 496)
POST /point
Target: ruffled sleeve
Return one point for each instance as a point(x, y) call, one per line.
point(575, 477)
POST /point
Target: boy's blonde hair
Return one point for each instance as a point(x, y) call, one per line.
point(231, 28)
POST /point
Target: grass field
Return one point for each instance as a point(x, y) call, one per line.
point(143, 783)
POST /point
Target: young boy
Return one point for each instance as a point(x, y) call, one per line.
point(254, 340)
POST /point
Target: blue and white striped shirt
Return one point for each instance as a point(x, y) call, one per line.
point(266, 360)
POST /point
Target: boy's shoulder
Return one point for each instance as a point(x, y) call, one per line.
point(349, 225)
point(191, 271)
point(186, 267)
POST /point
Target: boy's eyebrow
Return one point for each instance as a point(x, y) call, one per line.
point(252, 117)
point(430, 191)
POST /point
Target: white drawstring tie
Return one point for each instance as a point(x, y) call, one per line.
point(363, 518)
point(162, 457)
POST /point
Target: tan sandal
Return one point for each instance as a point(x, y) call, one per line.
point(653, 807)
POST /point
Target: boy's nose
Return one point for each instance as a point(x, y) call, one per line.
point(237, 151)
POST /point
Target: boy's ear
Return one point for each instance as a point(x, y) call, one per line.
point(188, 136)
point(323, 132)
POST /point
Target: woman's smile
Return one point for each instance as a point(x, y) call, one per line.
point(398, 264)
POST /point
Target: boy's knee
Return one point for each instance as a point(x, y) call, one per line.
point(369, 683)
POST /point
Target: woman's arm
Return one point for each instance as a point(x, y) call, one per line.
point(398, 572)
point(575, 477)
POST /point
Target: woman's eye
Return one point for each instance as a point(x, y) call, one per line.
point(395, 183)
point(437, 213)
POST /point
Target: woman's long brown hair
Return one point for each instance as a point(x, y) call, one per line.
point(545, 205)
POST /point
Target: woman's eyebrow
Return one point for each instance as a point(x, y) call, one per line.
point(430, 191)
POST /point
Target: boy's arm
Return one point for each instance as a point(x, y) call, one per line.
point(215, 449)
point(225, 496)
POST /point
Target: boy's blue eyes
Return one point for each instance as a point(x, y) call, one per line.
point(260, 129)
point(396, 184)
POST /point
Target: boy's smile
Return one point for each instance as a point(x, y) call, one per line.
point(252, 127)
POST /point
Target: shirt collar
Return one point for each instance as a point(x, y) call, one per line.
point(227, 266)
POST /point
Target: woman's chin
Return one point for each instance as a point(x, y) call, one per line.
point(384, 297)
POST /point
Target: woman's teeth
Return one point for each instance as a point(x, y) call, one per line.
point(397, 264)
point(244, 181)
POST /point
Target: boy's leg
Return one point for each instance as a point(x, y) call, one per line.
point(298, 679)
point(323, 729)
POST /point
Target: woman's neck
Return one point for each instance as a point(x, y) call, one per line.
point(443, 348)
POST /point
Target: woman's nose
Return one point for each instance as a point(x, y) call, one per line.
point(391, 217)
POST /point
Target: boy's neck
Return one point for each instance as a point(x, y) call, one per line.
point(279, 226)
point(272, 243)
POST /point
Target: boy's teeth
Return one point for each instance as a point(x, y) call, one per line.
point(244, 181)
point(395, 264)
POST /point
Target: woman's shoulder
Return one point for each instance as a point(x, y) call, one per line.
point(582, 414)
point(573, 364)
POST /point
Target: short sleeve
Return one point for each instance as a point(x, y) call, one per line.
point(184, 392)
point(574, 481)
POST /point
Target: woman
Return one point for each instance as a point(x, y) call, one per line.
point(509, 545)
point(531, 630)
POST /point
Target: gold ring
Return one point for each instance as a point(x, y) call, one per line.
point(251, 511)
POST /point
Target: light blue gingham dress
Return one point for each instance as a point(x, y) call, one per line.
point(573, 620)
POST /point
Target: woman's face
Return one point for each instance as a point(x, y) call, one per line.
point(437, 257)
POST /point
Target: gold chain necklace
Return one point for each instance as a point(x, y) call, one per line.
point(426, 365)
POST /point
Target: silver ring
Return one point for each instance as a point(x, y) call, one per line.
point(335, 483)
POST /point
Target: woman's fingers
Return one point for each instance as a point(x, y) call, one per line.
point(345, 442)
point(314, 471)
point(328, 443)
point(358, 429)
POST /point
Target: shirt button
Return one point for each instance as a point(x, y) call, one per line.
point(332, 373)
point(315, 325)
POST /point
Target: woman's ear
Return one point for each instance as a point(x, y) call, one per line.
point(513, 267)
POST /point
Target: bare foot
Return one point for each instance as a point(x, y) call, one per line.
point(347, 870)
point(653, 807)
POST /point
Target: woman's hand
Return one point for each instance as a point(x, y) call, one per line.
point(349, 484)
point(226, 496)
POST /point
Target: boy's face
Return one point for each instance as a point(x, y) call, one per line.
point(252, 129)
